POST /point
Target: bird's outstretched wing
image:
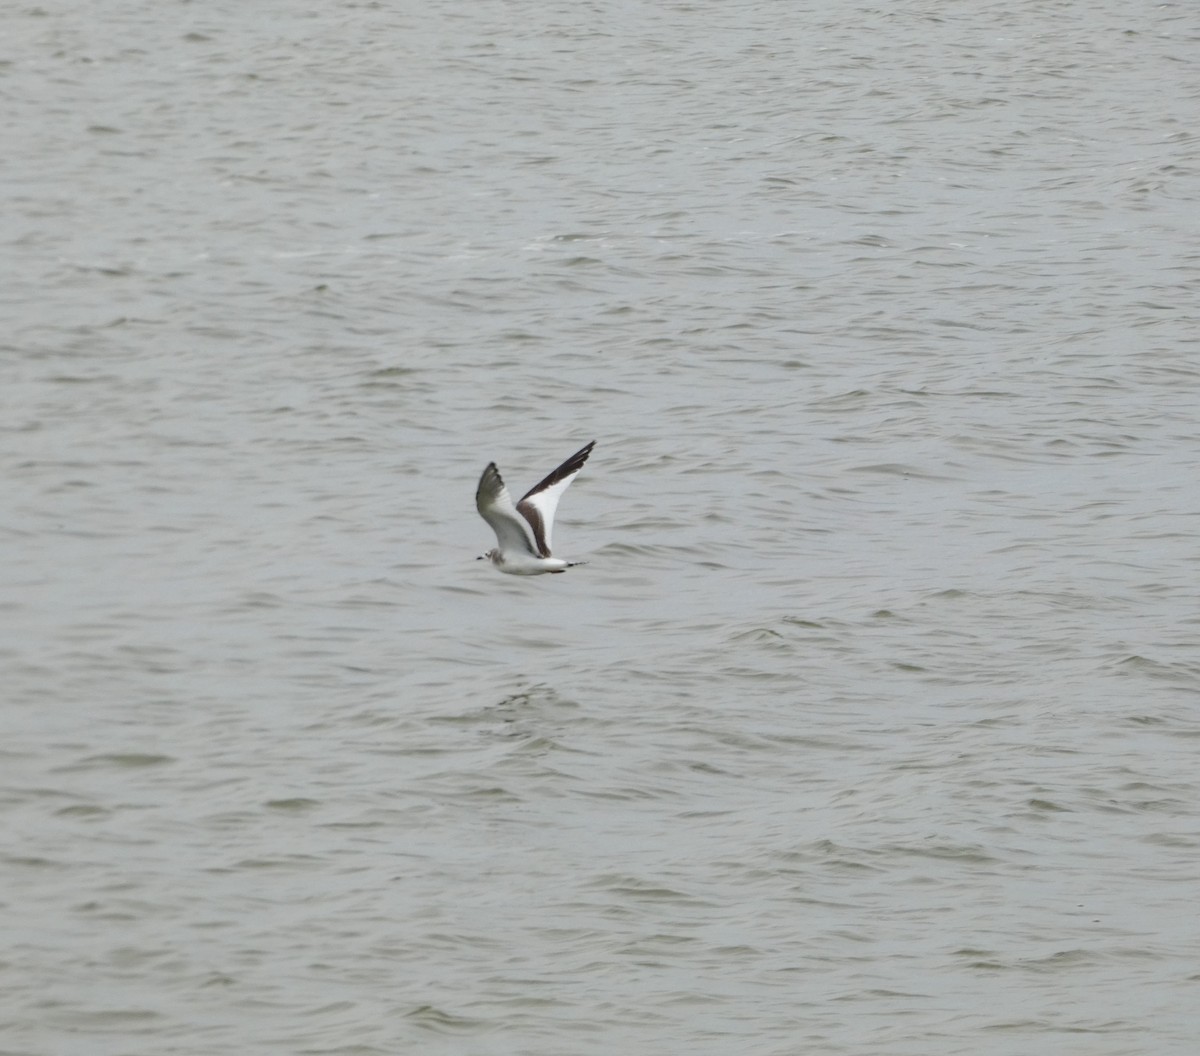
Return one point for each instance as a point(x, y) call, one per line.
point(538, 504)
point(495, 506)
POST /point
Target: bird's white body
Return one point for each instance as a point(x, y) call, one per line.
point(518, 564)
point(523, 530)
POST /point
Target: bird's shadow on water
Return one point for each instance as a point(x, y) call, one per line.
point(530, 702)
point(533, 720)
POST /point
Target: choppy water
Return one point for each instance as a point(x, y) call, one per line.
point(871, 726)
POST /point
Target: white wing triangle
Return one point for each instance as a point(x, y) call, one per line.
point(541, 501)
point(495, 506)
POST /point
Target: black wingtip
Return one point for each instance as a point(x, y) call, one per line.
point(489, 469)
point(581, 456)
point(572, 465)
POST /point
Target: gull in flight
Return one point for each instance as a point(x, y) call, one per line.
point(523, 530)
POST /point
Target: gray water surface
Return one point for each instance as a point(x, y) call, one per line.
point(871, 725)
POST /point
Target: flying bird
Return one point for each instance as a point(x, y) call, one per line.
point(523, 530)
